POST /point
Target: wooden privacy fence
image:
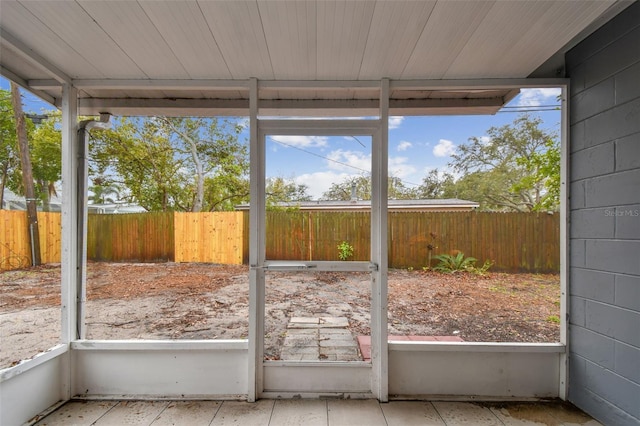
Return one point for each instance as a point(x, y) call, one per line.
point(209, 237)
point(515, 242)
point(146, 237)
point(15, 248)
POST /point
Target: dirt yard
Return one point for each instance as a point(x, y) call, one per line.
point(204, 301)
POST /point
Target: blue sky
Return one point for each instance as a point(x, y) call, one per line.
point(416, 144)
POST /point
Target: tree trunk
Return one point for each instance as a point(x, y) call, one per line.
point(3, 183)
point(27, 176)
point(193, 149)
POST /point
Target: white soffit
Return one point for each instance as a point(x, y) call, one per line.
point(195, 57)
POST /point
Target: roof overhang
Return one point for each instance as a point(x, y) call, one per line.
point(312, 58)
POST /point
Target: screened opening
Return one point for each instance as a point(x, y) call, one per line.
point(315, 212)
point(165, 244)
point(29, 226)
point(478, 259)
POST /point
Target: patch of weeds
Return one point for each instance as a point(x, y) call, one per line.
point(345, 250)
point(499, 289)
point(554, 319)
point(452, 263)
point(483, 269)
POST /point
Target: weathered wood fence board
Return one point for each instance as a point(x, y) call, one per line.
point(514, 241)
point(15, 249)
point(315, 236)
point(209, 237)
point(136, 237)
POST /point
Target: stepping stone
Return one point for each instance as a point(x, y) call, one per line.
point(322, 322)
point(319, 339)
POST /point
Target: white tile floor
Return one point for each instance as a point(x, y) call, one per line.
point(313, 412)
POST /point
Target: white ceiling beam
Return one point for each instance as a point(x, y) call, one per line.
point(25, 85)
point(208, 106)
point(477, 84)
point(285, 107)
point(318, 84)
point(177, 84)
point(27, 53)
point(286, 85)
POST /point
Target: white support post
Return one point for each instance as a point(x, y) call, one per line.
point(256, 248)
point(564, 243)
point(379, 189)
point(69, 256)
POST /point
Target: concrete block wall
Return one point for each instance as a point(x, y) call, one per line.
point(604, 282)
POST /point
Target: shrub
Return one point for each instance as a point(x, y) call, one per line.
point(457, 262)
point(450, 263)
point(345, 250)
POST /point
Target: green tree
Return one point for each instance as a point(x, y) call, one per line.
point(281, 190)
point(516, 169)
point(435, 185)
point(44, 148)
point(46, 157)
point(360, 186)
point(103, 191)
point(166, 164)
point(9, 159)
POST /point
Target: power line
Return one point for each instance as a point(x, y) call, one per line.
point(336, 161)
point(320, 156)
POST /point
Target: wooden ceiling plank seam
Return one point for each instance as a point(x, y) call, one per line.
point(186, 32)
point(367, 38)
point(75, 28)
point(215, 41)
point(35, 58)
point(127, 21)
point(342, 29)
point(233, 27)
point(266, 44)
point(396, 31)
point(286, 38)
point(422, 31)
point(486, 43)
point(547, 33)
point(39, 45)
point(451, 24)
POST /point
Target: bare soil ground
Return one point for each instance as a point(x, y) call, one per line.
point(205, 301)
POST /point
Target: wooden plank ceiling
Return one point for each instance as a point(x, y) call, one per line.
point(196, 56)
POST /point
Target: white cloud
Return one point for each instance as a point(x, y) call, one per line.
point(404, 145)
point(484, 140)
point(302, 141)
point(537, 97)
point(395, 121)
point(444, 148)
point(320, 182)
point(351, 161)
point(399, 167)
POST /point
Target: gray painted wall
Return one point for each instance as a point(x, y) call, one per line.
point(604, 284)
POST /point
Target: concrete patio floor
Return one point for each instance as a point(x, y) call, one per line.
point(314, 412)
